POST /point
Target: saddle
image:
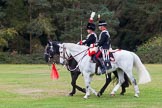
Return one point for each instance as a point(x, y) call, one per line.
point(108, 55)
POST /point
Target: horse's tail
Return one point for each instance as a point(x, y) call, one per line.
point(144, 76)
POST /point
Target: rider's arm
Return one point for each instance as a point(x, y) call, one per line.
point(90, 40)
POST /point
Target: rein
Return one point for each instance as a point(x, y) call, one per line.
point(78, 54)
point(77, 64)
point(69, 58)
point(72, 69)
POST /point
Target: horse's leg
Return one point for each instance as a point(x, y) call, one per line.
point(123, 89)
point(108, 80)
point(73, 83)
point(133, 81)
point(125, 84)
point(92, 90)
point(74, 77)
point(87, 84)
point(120, 81)
point(136, 89)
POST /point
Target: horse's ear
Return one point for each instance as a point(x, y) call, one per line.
point(60, 45)
point(49, 42)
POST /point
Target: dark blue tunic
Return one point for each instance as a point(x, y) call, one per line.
point(104, 40)
point(91, 39)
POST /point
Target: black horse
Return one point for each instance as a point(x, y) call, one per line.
point(52, 49)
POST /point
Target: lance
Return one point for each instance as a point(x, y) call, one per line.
point(81, 30)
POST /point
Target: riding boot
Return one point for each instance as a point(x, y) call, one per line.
point(102, 65)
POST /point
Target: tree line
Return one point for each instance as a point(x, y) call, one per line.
point(27, 25)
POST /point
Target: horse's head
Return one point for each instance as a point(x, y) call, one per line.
point(64, 54)
point(51, 49)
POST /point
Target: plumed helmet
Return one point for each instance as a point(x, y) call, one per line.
point(102, 23)
point(91, 26)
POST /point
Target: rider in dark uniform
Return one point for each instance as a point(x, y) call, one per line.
point(91, 37)
point(103, 43)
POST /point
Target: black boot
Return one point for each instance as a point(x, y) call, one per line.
point(102, 65)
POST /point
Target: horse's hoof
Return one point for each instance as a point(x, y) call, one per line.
point(99, 94)
point(70, 94)
point(85, 97)
point(136, 95)
point(122, 94)
point(112, 95)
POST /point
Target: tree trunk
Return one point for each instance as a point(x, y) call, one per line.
point(30, 43)
point(30, 35)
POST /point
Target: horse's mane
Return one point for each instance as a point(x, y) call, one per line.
point(75, 47)
point(56, 46)
point(56, 43)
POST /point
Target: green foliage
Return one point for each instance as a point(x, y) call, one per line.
point(2, 13)
point(6, 35)
point(130, 22)
point(139, 21)
point(16, 14)
point(150, 52)
point(40, 25)
point(71, 28)
point(75, 18)
point(40, 4)
point(109, 17)
point(11, 58)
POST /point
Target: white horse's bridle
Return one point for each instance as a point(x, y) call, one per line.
point(65, 56)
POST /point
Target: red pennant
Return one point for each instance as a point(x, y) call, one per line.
point(54, 72)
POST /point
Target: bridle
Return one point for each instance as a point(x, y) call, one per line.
point(66, 57)
point(49, 51)
point(70, 57)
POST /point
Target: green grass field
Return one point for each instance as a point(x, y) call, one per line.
point(30, 86)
